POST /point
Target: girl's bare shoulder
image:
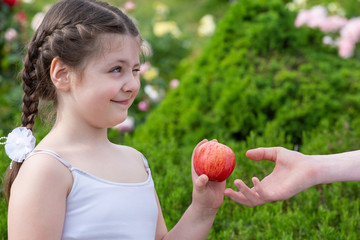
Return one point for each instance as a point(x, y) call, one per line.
point(38, 198)
point(123, 149)
point(44, 171)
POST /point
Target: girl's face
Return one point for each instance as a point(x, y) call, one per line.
point(109, 83)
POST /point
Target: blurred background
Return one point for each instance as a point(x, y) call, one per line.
point(248, 73)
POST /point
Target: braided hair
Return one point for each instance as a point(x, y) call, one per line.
point(70, 31)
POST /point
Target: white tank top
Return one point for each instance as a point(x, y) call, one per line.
point(97, 209)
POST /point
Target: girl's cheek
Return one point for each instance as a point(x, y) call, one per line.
point(138, 86)
point(111, 93)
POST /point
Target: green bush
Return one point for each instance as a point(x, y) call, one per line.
point(260, 82)
point(11, 45)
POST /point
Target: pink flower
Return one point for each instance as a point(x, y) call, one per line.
point(143, 106)
point(332, 23)
point(346, 48)
point(351, 31)
point(37, 20)
point(312, 17)
point(11, 34)
point(144, 67)
point(129, 5)
point(174, 83)
point(327, 40)
point(127, 125)
point(349, 36)
point(21, 18)
point(317, 15)
point(302, 18)
point(153, 93)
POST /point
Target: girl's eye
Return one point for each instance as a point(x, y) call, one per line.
point(116, 70)
point(136, 72)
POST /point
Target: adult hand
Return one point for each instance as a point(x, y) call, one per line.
point(293, 173)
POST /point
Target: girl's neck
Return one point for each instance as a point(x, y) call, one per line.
point(82, 134)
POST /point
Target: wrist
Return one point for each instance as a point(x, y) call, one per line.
point(325, 169)
point(203, 212)
point(315, 170)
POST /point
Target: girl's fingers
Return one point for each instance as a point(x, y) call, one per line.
point(200, 183)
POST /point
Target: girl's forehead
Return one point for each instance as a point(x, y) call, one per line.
point(110, 42)
point(113, 45)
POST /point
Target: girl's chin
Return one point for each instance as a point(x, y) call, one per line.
point(119, 121)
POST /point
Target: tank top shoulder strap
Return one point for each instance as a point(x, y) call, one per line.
point(145, 161)
point(51, 153)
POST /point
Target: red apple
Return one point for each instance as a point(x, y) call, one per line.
point(214, 159)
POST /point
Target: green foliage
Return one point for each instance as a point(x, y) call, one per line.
point(244, 83)
point(4, 163)
point(11, 45)
point(260, 82)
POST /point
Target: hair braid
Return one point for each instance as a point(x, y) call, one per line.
point(30, 97)
point(35, 75)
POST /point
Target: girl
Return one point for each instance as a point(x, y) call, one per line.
point(76, 184)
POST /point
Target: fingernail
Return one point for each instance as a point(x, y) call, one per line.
point(204, 178)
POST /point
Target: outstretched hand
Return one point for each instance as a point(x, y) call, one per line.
point(292, 174)
point(207, 194)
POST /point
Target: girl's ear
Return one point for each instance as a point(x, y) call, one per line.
point(60, 75)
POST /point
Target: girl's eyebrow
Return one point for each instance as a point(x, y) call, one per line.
point(126, 62)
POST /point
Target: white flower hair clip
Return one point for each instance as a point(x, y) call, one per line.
point(19, 144)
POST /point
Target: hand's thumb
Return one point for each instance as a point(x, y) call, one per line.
point(200, 183)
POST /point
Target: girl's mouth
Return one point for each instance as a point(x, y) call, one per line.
point(122, 102)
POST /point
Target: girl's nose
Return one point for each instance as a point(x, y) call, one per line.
point(132, 83)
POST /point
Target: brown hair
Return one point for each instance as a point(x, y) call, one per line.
point(69, 31)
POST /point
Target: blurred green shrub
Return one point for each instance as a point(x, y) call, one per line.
point(13, 35)
point(260, 82)
point(259, 72)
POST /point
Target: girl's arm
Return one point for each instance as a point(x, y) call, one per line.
point(293, 173)
point(38, 198)
point(198, 218)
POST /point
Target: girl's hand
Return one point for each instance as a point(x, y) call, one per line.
point(293, 173)
point(206, 194)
